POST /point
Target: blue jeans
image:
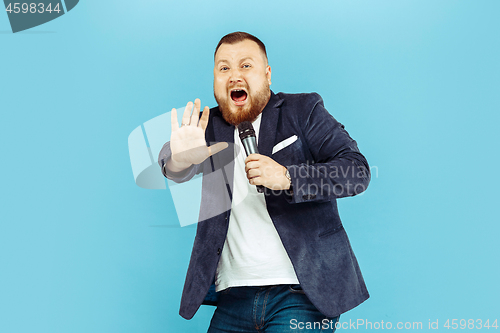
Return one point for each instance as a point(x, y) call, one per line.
point(271, 309)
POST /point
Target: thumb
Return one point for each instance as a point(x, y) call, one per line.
point(214, 149)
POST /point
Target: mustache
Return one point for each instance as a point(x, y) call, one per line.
point(238, 86)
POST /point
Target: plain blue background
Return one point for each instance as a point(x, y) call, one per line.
point(416, 83)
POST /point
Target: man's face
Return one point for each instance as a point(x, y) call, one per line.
point(241, 81)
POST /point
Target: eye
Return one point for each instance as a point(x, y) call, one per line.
point(246, 66)
point(224, 68)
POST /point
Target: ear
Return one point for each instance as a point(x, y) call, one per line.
point(268, 74)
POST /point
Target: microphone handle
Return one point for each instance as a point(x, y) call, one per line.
point(250, 146)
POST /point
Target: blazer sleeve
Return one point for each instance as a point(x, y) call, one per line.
point(338, 168)
point(178, 177)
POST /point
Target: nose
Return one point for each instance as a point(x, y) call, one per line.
point(235, 76)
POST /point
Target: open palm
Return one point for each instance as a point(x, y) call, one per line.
point(187, 142)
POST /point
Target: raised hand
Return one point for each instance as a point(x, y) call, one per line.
point(187, 142)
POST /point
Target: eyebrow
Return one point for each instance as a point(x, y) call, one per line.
point(242, 60)
point(246, 58)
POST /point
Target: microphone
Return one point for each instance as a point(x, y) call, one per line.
point(247, 137)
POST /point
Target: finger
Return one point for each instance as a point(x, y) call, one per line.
point(196, 113)
point(255, 181)
point(214, 149)
point(252, 157)
point(253, 173)
point(186, 117)
point(174, 121)
point(204, 118)
point(251, 165)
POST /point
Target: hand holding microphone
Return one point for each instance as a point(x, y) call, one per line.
point(261, 170)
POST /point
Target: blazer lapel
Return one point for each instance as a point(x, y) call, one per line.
point(269, 124)
point(223, 131)
point(224, 160)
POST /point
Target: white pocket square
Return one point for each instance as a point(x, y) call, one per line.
point(284, 143)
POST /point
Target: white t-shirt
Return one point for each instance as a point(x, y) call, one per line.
point(253, 254)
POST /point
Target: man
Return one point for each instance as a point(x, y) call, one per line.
point(280, 261)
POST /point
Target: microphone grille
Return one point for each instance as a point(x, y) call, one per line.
point(245, 129)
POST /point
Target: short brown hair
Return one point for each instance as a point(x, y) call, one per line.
point(239, 36)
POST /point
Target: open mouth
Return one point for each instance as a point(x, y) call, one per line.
point(239, 96)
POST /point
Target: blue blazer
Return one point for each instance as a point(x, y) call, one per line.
point(324, 164)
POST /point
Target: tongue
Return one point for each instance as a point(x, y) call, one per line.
point(238, 96)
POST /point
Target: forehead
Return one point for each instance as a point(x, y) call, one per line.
point(244, 49)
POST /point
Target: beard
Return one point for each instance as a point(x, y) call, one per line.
point(235, 115)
